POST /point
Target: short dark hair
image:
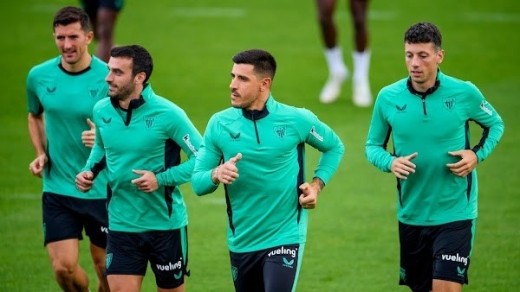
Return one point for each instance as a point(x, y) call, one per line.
point(263, 62)
point(142, 60)
point(71, 14)
point(423, 32)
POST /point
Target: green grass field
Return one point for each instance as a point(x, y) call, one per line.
point(352, 243)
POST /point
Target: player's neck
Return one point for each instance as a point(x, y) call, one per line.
point(79, 66)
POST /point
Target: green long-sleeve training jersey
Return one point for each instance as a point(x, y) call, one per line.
point(262, 203)
point(147, 136)
point(66, 99)
point(432, 124)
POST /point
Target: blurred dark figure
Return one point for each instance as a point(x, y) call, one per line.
point(103, 14)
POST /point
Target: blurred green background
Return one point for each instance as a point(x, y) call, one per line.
point(352, 243)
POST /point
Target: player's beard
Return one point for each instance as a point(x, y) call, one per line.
point(122, 93)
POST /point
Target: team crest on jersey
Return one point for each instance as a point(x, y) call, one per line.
point(149, 122)
point(94, 92)
point(449, 103)
point(280, 131)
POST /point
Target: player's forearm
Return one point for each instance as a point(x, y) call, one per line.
point(37, 133)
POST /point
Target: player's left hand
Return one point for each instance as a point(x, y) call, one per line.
point(147, 182)
point(468, 161)
point(88, 137)
point(309, 196)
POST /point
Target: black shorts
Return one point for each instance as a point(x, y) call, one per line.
point(167, 251)
point(65, 217)
point(91, 6)
point(272, 269)
point(435, 252)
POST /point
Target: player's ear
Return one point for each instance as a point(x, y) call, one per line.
point(140, 77)
point(266, 83)
point(90, 36)
point(440, 56)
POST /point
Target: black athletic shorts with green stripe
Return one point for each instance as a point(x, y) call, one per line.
point(270, 270)
point(65, 217)
point(128, 253)
point(435, 252)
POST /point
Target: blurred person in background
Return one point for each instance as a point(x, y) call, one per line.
point(427, 116)
point(338, 72)
point(103, 14)
point(61, 94)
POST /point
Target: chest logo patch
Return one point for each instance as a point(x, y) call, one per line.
point(234, 136)
point(93, 92)
point(149, 122)
point(401, 108)
point(51, 89)
point(107, 120)
point(280, 131)
point(449, 103)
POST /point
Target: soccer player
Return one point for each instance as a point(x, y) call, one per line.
point(262, 143)
point(338, 72)
point(427, 116)
point(139, 139)
point(103, 14)
point(64, 89)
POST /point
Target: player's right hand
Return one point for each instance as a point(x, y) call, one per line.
point(403, 166)
point(36, 166)
point(88, 137)
point(227, 173)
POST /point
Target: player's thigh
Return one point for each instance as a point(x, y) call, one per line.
point(415, 257)
point(451, 251)
point(95, 221)
point(61, 220)
point(63, 254)
point(127, 283)
point(125, 254)
point(168, 259)
point(246, 271)
point(281, 268)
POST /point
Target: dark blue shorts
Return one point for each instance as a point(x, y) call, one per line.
point(435, 252)
point(65, 217)
point(129, 253)
point(269, 270)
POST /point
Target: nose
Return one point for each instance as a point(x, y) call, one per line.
point(67, 43)
point(414, 62)
point(232, 84)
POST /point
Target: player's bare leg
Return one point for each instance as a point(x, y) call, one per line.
point(64, 256)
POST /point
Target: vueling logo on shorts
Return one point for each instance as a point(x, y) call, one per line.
point(285, 251)
point(170, 266)
point(455, 258)
point(282, 250)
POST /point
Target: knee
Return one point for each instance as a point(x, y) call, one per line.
point(99, 265)
point(63, 270)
